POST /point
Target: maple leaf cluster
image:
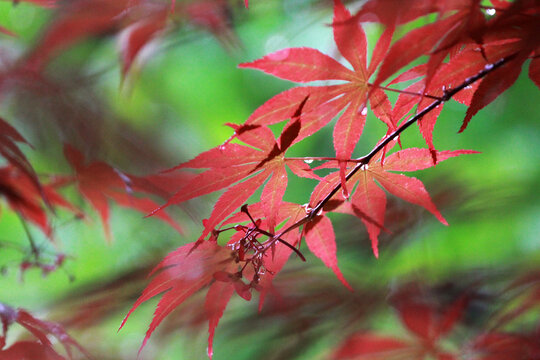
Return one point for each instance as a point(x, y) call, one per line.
point(462, 53)
point(430, 322)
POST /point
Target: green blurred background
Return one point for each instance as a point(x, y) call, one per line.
point(173, 108)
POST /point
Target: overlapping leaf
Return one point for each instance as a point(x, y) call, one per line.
point(228, 164)
point(474, 45)
point(138, 22)
point(9, 137)
point(368, 202)
point(427, 325)
point(136, 36)
point(42, 347)
point(181, 274)
point(27, 200)
point(99, 183)
point(307, 64)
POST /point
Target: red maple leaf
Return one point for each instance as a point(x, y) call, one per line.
point(9, 137)
point(74, 22)
point(368, 202)
point(137, 35)
point(228, 164)
point(27, 200)
point(509, 35)
point(324, 102)
point(98, 182)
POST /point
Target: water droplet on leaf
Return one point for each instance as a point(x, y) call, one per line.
point(308, 161)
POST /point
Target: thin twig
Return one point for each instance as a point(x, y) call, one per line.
point(33, 246)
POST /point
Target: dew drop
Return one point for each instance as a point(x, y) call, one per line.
point(364, 167)
point(488, 67)
point(221, 147)
point(468, 87)
point(308, 161)
point(279, 55)
point(364, 111)
point(491, 12)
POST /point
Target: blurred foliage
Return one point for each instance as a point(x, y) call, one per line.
point(172, 108)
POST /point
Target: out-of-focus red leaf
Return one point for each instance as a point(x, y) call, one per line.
point(6, 31)
point(370, 346)
point(491, 87)
point(136, 36)
point(40, 329)
point(98, 182)
point(419, 319)
point(9, 136)
point(505, 346)
point(26, 199)
point(44, 3)
point(78, 20)
point(181, 274)
point(22, 350)
point(41, 349)
point(214, 16)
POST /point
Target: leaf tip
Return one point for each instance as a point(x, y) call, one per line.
point(442, 219)
point(466, 121)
